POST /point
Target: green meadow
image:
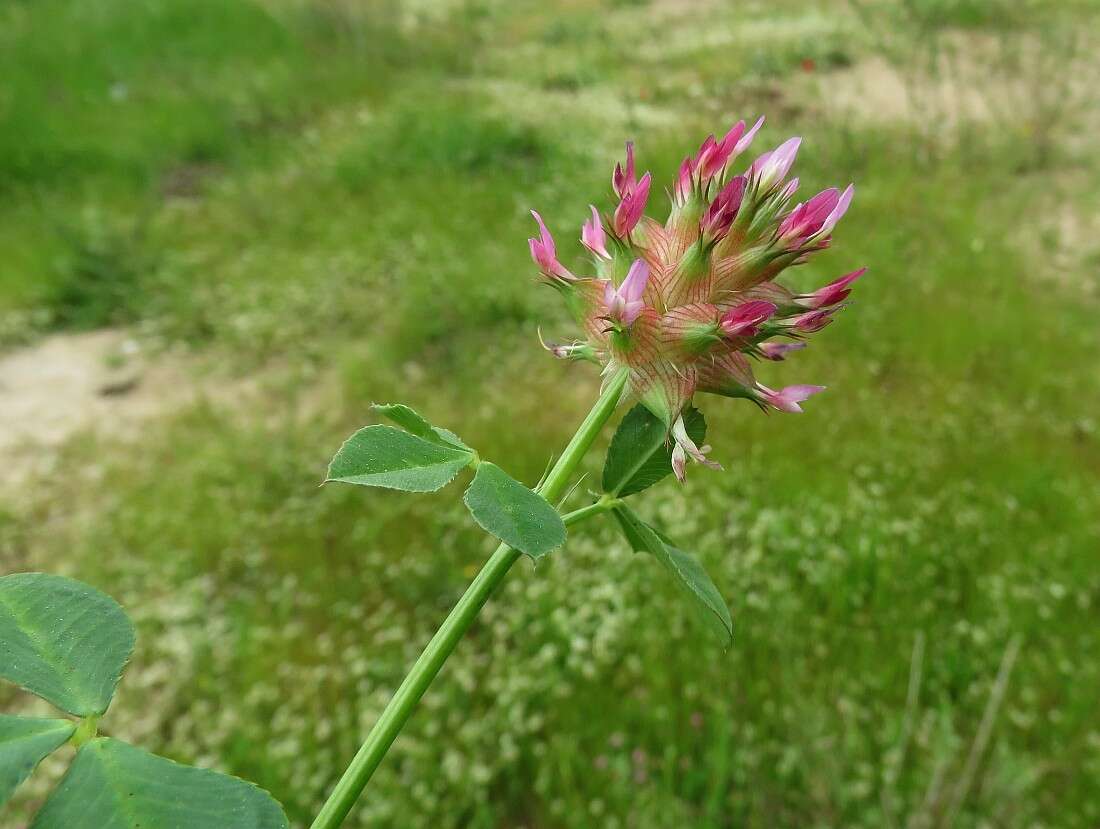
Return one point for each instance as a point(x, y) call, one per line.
point(306, 206)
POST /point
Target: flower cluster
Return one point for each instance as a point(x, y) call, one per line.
point(684, 305)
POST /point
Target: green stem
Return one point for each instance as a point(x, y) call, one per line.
point(424, 670)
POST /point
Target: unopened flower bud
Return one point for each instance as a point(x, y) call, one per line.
point(622, 181)
point(772, 167)
point(630, 209)
point(779, 351)
point(813, 321)
point(833, 293)
point(719, 216)
point(745, 320)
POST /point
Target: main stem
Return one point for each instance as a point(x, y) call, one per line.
point(424, 670)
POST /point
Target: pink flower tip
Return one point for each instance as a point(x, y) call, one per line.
point(622, 180)
point(593, 237)
point(835, 292)
point(772, 167)
point(630, 209)
point(624, 304)
point(779, 351)
point(545, 255)
point(745, 320)
point(745, 140)
point(812, 321)
point(788, 398)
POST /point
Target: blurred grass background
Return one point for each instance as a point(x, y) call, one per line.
point(310, 205)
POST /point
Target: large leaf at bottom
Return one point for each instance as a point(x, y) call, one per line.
point(504, 507)
point(113, 785)
point(24, 741)
point(387, 457)
point(63, 640)
point(689, 574)
point(640, 453)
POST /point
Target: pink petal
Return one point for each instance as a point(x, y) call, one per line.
point(746, 139)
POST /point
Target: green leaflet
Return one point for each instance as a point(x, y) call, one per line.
point(504, 507)
point(686, 570)
point(63, 640)
point(387, 457)
point(413, 422)
point(640, 453)
point(113, 785)
point(24, 742)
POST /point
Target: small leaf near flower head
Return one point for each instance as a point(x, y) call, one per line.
point(640, 453)
point(392, 459)
point(686, 571)
point(519, 517)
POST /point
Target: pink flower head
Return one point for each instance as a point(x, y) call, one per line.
point(630, 209)
point(788, 398)
point(790, 189)
point(813, 321)
point(545, 254)
point(624, 304)
point(685, 182)
point(772, 167)
point(779, 351)
point(745, 140)
point(593, 237)
point(718, 217)
point(622, 181)
point(833, 293)
point(745, 320)
point(685, 448)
